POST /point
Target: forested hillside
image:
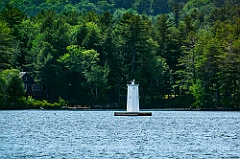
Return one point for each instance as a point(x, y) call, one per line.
point(183, 53)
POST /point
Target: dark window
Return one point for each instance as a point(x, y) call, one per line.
point(25, 78)
point(36, 87)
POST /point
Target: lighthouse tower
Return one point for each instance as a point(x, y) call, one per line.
point(132, 97)
point(132, 102)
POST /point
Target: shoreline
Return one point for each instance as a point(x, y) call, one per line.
point(150, 109)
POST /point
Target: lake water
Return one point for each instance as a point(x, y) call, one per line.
point(39, 134)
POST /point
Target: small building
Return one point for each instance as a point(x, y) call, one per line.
point(32, 88)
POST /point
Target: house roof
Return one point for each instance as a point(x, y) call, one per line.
point(23, 73)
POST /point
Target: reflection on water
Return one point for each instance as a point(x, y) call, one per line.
point(99, 134)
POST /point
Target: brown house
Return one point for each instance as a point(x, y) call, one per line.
point(32, 88)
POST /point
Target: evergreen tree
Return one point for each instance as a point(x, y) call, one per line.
point(7, 56)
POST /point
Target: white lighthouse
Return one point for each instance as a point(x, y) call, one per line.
point(132, 102)
point(132, 97)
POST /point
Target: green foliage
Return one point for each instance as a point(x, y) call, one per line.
point(3, 4)
point(96, 78)
point(12, 15)
point(11, 89)
point(6, 47)
point(89, 77)
point(38, 104)
point(86, 51)
point(198, 92)
point(197, 9)
point(3, 89)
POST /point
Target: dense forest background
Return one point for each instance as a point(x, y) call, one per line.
point(183, 53)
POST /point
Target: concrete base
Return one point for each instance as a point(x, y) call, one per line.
point(132, 113)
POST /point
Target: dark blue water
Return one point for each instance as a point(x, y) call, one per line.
point(99, 134)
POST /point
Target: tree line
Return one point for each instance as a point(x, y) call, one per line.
point(186, 55)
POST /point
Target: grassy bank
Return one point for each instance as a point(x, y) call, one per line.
point(31, 103)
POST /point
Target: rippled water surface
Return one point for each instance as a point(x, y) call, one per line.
point(99, 134)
